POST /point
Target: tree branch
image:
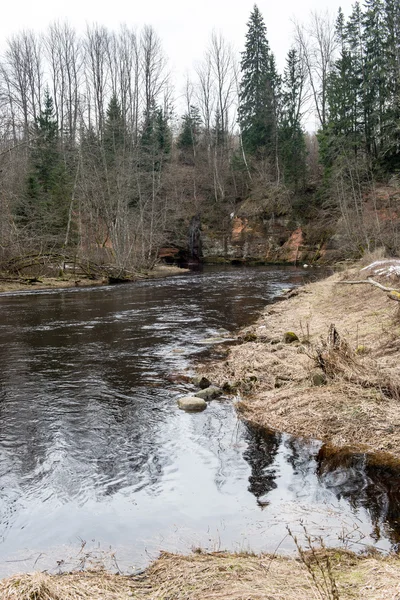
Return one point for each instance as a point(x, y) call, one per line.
point(371, 282)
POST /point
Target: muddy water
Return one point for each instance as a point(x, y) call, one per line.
point(95, 455)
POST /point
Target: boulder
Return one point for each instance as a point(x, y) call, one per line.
point(248, 337)
point(192, 404)
point(290, 337)
point(229, 387)
point(201, 382)
point(209, 393)
point(318, 377)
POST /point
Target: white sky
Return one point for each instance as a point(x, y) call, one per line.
point(184, 27)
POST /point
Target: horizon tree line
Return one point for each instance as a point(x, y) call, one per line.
point(92, 159)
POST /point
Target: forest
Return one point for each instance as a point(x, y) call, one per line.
point(100, 163)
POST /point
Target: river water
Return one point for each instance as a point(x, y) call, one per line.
point(95, 456)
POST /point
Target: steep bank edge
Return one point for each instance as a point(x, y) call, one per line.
point(353, 408)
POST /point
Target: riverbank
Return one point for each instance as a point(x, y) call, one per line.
point(337, 384)
point(318, 574)
point(68, 280)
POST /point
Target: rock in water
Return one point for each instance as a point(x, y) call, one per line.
point(192, 404)
point(209, 393)
point(201, 382)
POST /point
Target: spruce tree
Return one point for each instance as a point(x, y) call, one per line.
point(44, 209)
point(375, 81)
point(392, 120)
point(155, 140)
point(114, 130)
point(292, 142)
point(258, 90)
point(188, 138)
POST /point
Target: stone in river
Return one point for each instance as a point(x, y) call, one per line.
point(201, 381)
point(209, 393)
point(192, 404)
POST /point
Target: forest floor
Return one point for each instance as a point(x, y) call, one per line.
point(69, 280)
point(339, 382)
point(319, 574)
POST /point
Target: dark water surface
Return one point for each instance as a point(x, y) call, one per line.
point(95, 452)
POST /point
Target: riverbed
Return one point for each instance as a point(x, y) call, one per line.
point(95, 455)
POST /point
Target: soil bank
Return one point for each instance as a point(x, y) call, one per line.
point(70, 280)
point(354, 399)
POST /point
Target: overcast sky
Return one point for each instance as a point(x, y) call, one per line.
point(184, 27)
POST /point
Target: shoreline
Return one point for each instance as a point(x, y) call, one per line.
point(353, 403)
point(66, 282)
point(316, 573)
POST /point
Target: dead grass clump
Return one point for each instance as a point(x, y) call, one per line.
point(318, 564)
point(372, 256)
point(334, 355)
point(30, 587)
point(69, 586)
point(336, 359)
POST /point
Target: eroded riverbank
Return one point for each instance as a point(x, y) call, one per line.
point(69, 280)
point(338, 385)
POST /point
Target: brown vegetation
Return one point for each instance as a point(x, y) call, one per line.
point(355, 400)
point(220, 575)
point(68, 280)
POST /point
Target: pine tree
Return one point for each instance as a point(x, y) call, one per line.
point(189, 135)
point(155, 140)
point(392, 121)
point(355, 76)
point(292, 142)
point(45, 154)
point(114, 130)
point(258, 90)
point(190, 131)
point(375, 81)
point(45, 206)
point(345, 129)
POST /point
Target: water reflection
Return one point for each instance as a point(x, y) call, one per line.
point(261, 454)
point(363, 482)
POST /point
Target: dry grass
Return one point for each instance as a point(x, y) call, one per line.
point(361, 400)
point(219, 576)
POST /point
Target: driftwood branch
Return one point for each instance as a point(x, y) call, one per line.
point(394, 294)
point(371, 282)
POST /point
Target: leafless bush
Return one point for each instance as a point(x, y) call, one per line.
point(318, 563)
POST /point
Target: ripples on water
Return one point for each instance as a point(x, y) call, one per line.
point(93, 447)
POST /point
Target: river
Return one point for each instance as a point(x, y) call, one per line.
point(97, 460)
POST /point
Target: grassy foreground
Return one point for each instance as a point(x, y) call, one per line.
point(330, 576)
point(338, 384)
